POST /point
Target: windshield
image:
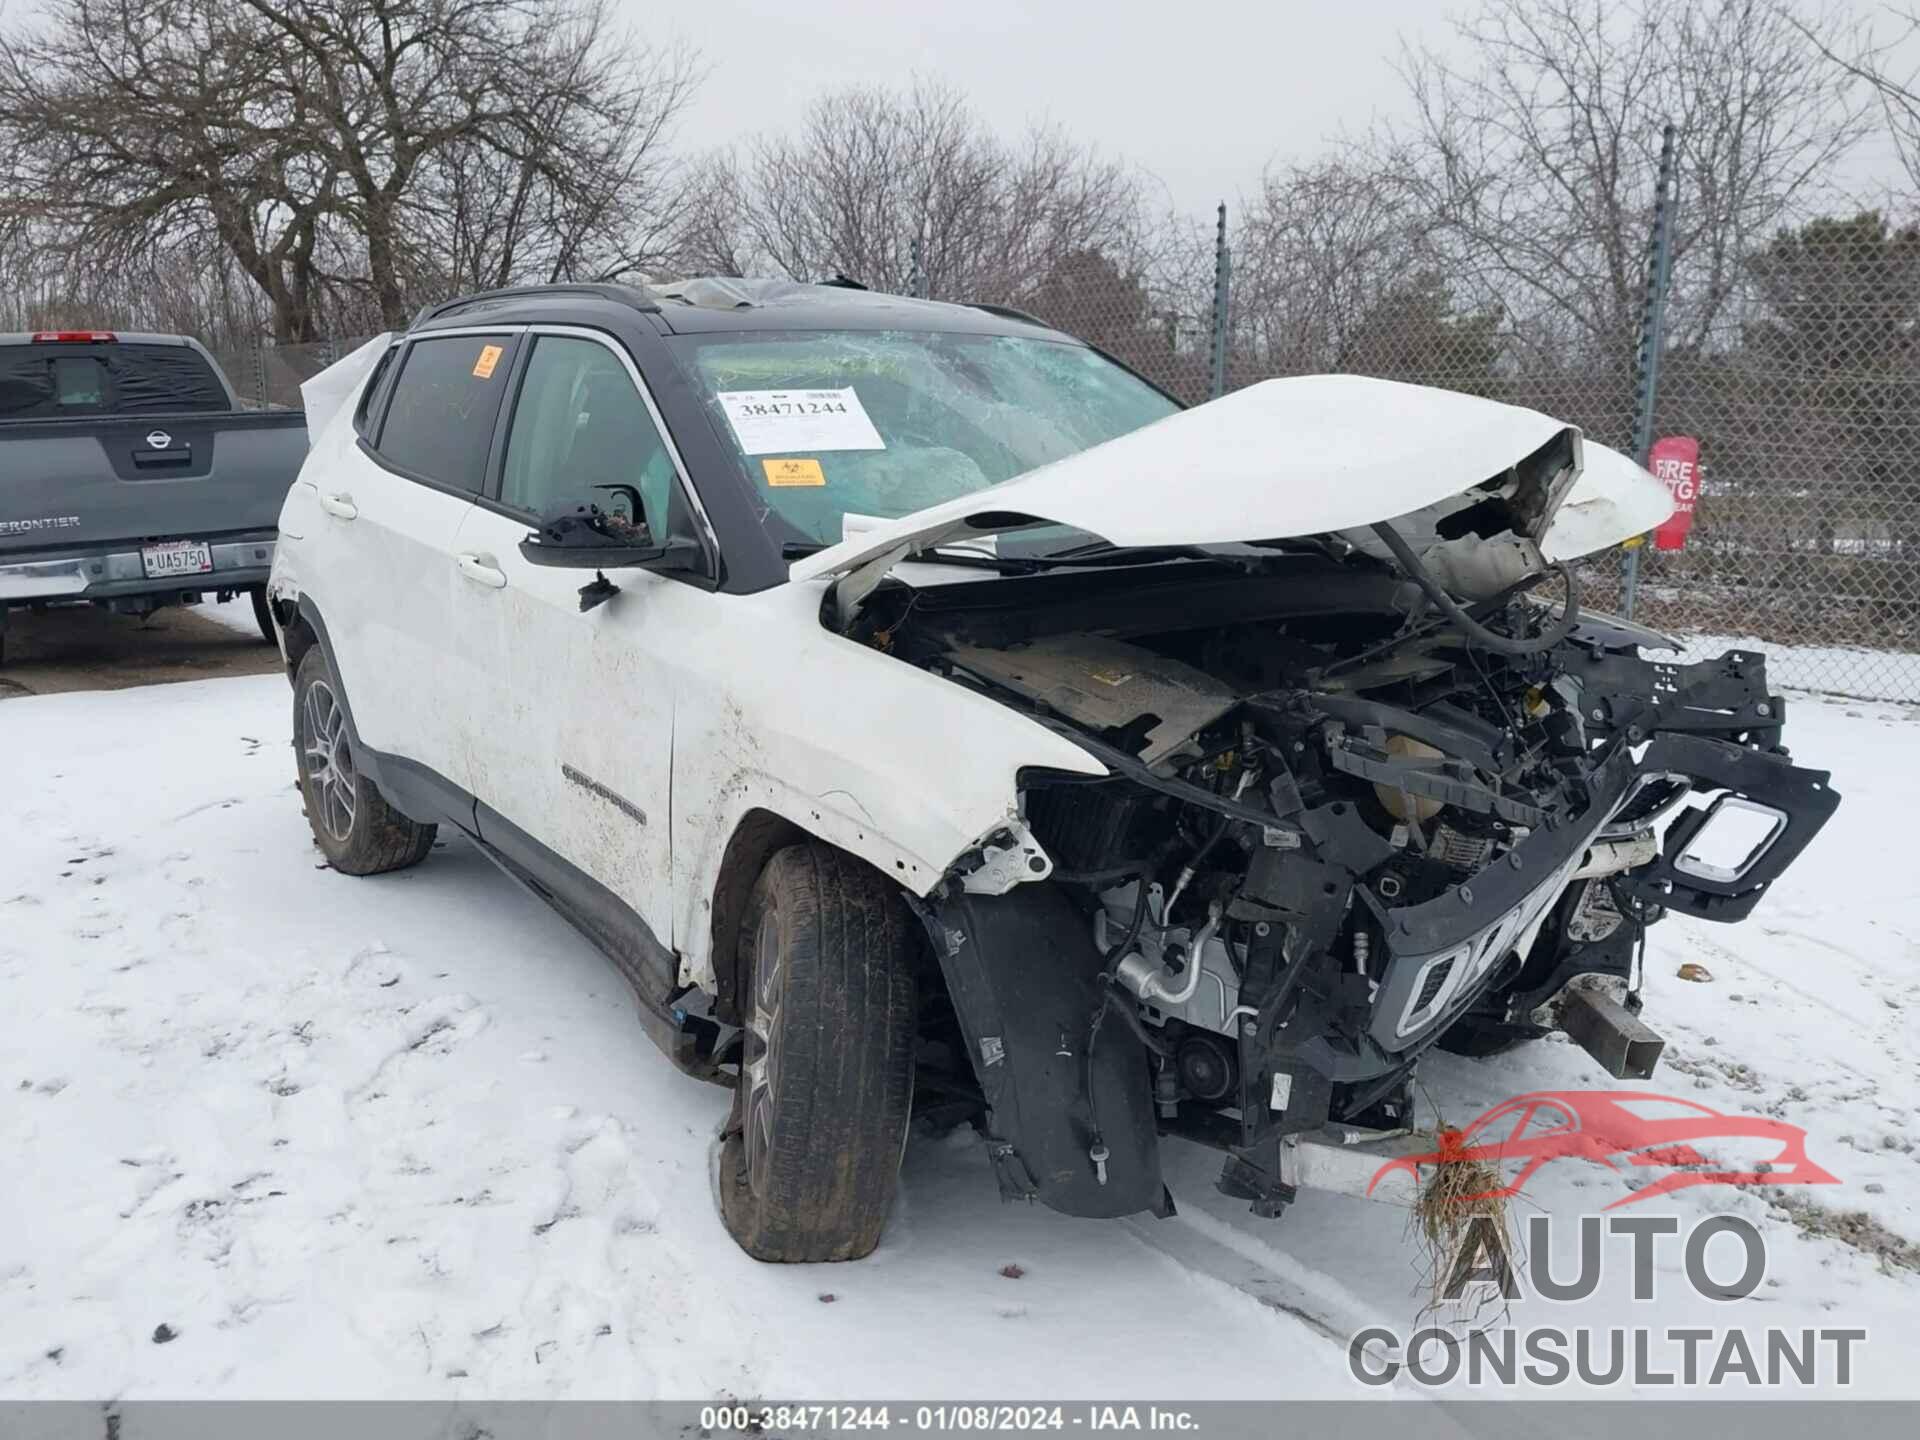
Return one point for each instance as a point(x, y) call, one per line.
point(831, 427)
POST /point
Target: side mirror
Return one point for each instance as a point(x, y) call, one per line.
point(589, 538)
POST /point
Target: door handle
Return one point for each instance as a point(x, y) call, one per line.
point(482, 571)
point(341, 507)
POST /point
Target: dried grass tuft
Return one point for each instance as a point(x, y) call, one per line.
point(1457, 1192)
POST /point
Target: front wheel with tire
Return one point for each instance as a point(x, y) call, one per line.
point(812, 1150)
point(355, 828)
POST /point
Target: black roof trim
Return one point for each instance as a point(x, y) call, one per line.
point(632, 296)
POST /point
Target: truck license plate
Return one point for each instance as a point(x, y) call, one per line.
point(176, 557)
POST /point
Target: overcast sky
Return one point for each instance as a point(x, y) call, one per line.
point(1201, 92)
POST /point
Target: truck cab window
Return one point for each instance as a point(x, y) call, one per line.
point(79, 383)
point(66, 379)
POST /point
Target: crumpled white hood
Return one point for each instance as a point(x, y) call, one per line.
point(1613, 500)
point(1306, 455)
point(327, 393)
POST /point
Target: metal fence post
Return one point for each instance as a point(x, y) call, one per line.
point(917, 265)
point(1653, 325)
point(1222, 286)
point(260, 368)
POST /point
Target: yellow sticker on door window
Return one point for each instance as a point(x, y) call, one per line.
point(489, 357)
point(793, 472)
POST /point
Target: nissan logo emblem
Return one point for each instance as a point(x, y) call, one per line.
point(159, 439)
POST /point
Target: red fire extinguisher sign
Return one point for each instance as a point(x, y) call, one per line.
point(1676, 461)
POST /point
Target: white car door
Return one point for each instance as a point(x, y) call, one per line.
point(383, 572)
point(565, 717)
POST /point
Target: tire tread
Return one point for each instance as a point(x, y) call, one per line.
point(846, 1058)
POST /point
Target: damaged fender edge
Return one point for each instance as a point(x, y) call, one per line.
point(998, 857)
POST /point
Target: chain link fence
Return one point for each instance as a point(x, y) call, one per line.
point(269, 375)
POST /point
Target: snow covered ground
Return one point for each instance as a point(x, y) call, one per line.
point(403, 1136)
point(235, 614)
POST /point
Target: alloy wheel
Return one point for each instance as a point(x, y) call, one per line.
point(762, 1069)
point(328, 761)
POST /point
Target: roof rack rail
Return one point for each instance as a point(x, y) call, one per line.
point(631, 295)
point(1008, 312)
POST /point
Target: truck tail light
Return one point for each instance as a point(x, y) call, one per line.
point(71, 337)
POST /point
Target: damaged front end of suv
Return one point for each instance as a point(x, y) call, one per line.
point(1374, 785)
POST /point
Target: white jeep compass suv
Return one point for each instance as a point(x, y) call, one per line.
point(927, 713)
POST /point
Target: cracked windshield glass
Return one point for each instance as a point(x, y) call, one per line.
point(832, 428)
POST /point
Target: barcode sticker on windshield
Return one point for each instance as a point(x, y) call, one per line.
point(782, 422)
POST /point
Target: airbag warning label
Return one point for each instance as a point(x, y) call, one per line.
point(793, 472)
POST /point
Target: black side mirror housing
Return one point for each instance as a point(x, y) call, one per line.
point(588, 538)
point(676, 555)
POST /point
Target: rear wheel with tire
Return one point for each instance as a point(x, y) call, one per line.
point(355, 828)
point(262, 616)
point(812, 1151)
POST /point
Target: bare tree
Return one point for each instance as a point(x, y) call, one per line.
point(1334, 270)
point(390, 149)
point(715, 231)
point(1536, 160)
point(198, 292)
point(1315, 250)
point(1879, 51)
point(865, 171)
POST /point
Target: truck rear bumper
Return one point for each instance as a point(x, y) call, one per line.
point(118, 571)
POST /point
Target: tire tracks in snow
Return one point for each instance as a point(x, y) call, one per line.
point(1205, 1243)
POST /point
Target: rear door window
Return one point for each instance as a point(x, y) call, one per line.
point(372, 394)
point(439, 423)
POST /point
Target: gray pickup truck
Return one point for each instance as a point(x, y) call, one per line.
point(131, 477)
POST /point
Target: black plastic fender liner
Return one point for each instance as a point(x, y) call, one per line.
point(1023, 972)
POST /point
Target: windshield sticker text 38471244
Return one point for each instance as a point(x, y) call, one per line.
point(786, 422)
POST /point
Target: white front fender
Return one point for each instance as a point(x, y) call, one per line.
point(905, 769)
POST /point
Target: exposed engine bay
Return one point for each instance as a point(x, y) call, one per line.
point(1347, 817)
